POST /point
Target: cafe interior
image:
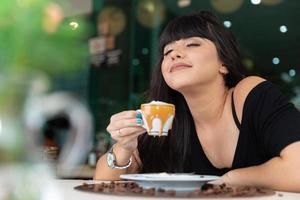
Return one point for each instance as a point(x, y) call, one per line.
point(67, 66)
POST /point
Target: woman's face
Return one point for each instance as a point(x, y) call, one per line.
point(191, 62)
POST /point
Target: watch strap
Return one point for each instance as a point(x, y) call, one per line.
point(111, 160)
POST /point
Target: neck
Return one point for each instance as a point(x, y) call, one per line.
point(207, 104)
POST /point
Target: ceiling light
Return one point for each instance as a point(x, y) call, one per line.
point(145, 51)
point(227, 23)
point(292, 72)
point(135, 61)
point(183, 3)
point(275, 61)
point(283, 29)
point(74, 25)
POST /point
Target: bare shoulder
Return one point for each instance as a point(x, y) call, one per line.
point(242, 90)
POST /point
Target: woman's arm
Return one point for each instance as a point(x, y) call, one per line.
point(103, 172)
point(124, 127)
point(277, 128)
point(279, 173)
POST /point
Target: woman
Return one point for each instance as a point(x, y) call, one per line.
point(240, 128)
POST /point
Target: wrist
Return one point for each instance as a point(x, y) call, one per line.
point(118, 159)
point(123, 151)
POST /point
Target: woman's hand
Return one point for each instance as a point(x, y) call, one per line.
point(125, 127)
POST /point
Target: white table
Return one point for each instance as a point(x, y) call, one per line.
point(66, 188)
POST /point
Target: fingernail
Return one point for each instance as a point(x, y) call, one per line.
point(139, 121)
point(139, 115)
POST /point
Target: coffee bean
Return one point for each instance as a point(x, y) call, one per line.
point(207, 190)
point(137, 190)
point(170, 192)
point(98, 188)
point(161, 190)
point(150, 191)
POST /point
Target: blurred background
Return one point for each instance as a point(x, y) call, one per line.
point(67, 66)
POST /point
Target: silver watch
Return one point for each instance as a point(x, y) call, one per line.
point(111, 160)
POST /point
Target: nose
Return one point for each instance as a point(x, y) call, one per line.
point(175, 54)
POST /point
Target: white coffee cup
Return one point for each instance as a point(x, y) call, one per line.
point(157, 117)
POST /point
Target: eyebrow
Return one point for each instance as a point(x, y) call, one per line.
point(170, 43)
point(184, 39)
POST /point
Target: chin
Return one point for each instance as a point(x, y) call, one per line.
point(180, 83)
point(179, 87)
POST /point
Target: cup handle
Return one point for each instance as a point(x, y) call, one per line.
point(145, 125)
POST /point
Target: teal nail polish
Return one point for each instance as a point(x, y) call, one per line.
point(139, 115)
point(139, 121)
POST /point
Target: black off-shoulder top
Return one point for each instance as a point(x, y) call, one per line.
point(269, 123)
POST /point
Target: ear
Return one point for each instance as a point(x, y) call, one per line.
point(223, 69)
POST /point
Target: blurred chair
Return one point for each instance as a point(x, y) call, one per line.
point(60, 120)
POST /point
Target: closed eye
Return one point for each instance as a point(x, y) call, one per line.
point(193, 45)
point(169, 51)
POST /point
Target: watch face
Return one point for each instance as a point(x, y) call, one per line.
point(110, 160)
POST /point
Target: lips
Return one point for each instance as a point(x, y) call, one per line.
point(179, 66)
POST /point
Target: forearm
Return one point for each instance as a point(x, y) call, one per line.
point(277, 174)
point(104, 172)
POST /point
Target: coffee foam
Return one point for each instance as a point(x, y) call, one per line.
point(158, 103)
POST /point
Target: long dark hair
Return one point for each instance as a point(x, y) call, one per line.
point(171, 154)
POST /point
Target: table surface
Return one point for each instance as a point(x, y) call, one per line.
point(67, 191)
point(80, 172)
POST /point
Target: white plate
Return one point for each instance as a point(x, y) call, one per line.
point(178, 182)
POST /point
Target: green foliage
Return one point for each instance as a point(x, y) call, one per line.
point(35, 36)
